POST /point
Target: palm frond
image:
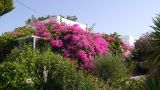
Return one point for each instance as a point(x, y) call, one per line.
point(155, 57)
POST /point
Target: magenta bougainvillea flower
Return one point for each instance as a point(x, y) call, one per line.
point(72, 41)
point(126, 54)
point(56, 43)
point(127, 47)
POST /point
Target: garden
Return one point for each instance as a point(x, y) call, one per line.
point(67, 57)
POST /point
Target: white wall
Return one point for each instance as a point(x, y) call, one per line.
point(70, 22)
point(128, 39)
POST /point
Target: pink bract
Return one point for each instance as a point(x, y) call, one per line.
point(73, 42)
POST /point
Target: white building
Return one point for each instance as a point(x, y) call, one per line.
point(70, 22)
point(128, 39)
point(66, 21)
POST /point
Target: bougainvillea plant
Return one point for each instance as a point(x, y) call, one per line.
point(72, 41)
point(116, 46)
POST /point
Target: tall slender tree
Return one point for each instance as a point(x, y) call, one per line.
point(6, 6)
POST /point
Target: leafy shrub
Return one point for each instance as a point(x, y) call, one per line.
point(143, 49)
point(117, 47)
point(132, 66)
point(18, 71)
point(31, 69)
point(152, 83)
point(72, 42)
point(110, 68)
point(8, 40)
point(6, 6)
point(33, 18)
point(115, 43)
point(62, 73)
point(97, 83)
point(130, 84)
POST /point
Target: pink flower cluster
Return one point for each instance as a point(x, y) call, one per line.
point(127, 50)
point(72, 41)
point(56, 43)
point(127, 47)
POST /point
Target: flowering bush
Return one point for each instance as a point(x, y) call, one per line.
point(117, 47)
point(72, 42)
point(28, 69)
point(127, 50)
point(142, 52)
point(143, 47)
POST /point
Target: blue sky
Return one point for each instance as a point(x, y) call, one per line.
point(123, 16)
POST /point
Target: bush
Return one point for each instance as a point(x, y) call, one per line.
point(143, 49)
point(115, 43)
point(117, 47)
point(18, 71)
point(110, 68)
point(97, 83)
point(132, 66)
point(152, 83)
point(6, 6)
point(62, 73)
point(130, 84)
point(8, 40)
point(31, 69)
point(72, 42)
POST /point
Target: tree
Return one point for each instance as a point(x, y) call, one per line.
point(143, 49)
point(6, 6)
point(155, 57)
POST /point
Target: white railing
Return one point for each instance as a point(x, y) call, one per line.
point(34, 39)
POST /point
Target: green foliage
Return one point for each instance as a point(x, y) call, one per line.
point(130, 84)
point(19, 71)
point(115, 43)
point(110, 67)
point(62, 73)
point(156, 39)
point(143, 49)
point(97, 83)
point(6, 6)
point(131, 66)
point(33, 18)
point(155, 57)
point(27, 69)
point(8, 40)
point(152, 83)
point(113, 70)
